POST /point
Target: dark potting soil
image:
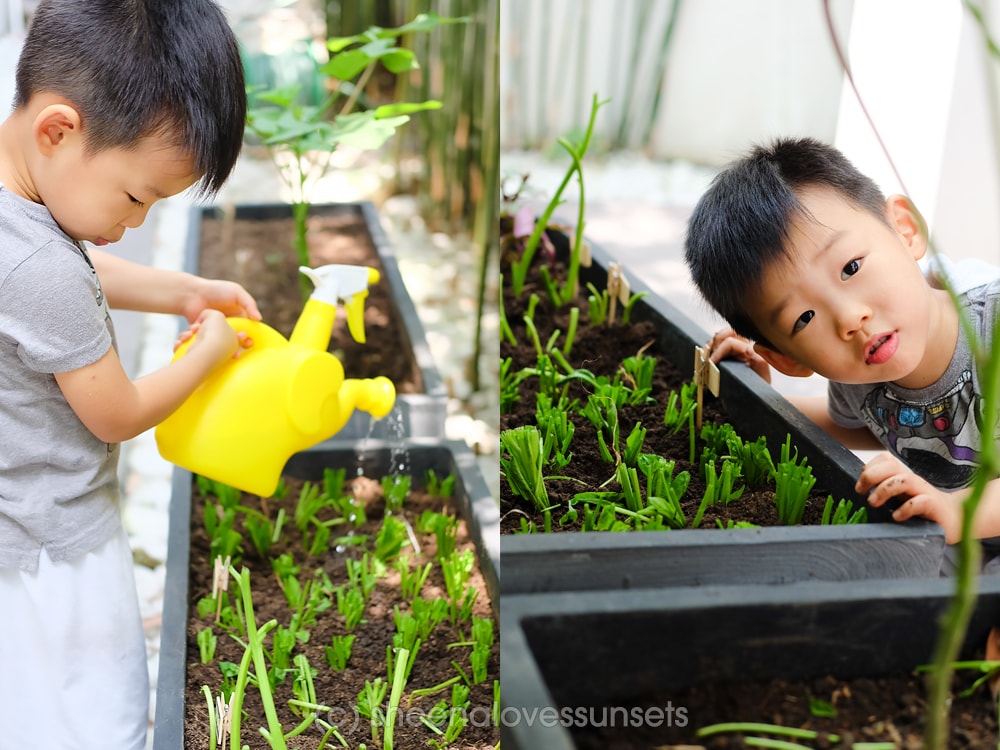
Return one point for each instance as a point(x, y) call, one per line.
point(601, 349)
point(257, 253)
point(339, 689)
point(884, 709)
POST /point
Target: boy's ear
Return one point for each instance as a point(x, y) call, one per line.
point(782, 363)
point(55, 124)
point(907, 222)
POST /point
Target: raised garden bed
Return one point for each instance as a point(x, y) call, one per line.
point(181, 710)
point(671, 661)
point(572, 560)
point(250, 244)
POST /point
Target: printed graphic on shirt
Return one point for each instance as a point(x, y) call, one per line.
point(938, 440)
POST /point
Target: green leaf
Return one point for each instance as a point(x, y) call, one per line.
point(362, 131)
point(425, 22)
point(346, 65)
point(404, 108)
point(399, 60)
point(282, 96)
point(337, 43)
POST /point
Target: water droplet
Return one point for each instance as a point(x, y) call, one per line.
point(339, 548)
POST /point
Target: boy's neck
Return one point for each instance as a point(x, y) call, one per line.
point(943, 340)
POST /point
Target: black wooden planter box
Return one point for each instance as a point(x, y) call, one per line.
point(423, 414)
point(569, 650)
point(570, 561)
point(476, 504)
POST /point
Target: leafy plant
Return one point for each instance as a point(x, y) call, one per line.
point(294, 132)
point(793, 481)
point(521, 464)
point(339, 652)
point(395, 488)
point(841, 514)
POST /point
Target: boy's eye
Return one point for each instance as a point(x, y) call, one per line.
point(135, 200)
point(802, 321)
point(849, 270)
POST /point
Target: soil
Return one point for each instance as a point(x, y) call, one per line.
point(889, 709)
point(257, 253)
point(339, 689)
point(601, 349)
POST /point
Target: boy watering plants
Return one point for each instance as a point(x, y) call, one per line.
point(816, 271)
point(118, 103)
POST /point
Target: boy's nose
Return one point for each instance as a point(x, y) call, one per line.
point(135, 219)
point(852, 317)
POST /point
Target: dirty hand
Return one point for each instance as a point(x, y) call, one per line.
point(727, 344)
point(886, 477)
point(228, 297)
point(215, 332)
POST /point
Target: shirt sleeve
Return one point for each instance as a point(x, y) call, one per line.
point(52, 305)
point(839, 406)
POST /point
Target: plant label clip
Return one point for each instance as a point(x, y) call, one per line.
point(225, 717)
point(618, 289)
point(705, 373)
point(220, 582)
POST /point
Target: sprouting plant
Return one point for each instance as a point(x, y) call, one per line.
point(403, 664)
point(370, 704)
point(521, 266)
point(456, 716)
point(428, 613)
point(351, 604)
point(282, 644)
point(436, 486)
point(731, 524)
point(754, 460)
point(444, 527)
point(677, 417)
point(638, 370)
point(627, 310)
point(392, 535)
point(339, 652)
point(411, 581)
point(207, 641)
point(224, 540)
point(510, 384)
point(456, 569)
point(521, 464)
point(793, 481)
point(663, 490)
point(292, 132)
point(633, 445)
point(603, 414)
point(597, 305)
point(482, 636)
point(841, 514)
point(395, 488)
point(718, 488)
point(557, 430)
point(364, 573)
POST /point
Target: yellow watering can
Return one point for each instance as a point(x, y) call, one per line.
point(280, 396)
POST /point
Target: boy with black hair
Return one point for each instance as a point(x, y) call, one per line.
point(119, 103)
point(816, 271)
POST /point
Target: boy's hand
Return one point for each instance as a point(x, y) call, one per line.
point(726, 344)
point(214, 333)
point(886, 477)
point(228, 297)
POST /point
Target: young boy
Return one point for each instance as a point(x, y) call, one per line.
point(118, 104)
point(816, 271)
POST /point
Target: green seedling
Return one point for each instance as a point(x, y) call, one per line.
point(411, 580)
point(351, 604)
point(207, 642)
point(638, 370)
point(395, 488)
point(793, 481)
point(391, 658)
point(841, 514)
point(444, 527)
point(754, 460)
point(436, 486)
point(401, 671)
point(282, 644)
point(663, 490)
point(407, 633)
point(731, 524)
point(718, 488)
point(521, 464)
point(598, 304)
point(333, 482)
point(603, 414)
point(510, 384)
point(364, 573)
point(456, 569)
point(633, 445)
point(339, 652)
point(392, 535)
point(260, 530)
point(482, 635)
point(677, 417)
point(428, 613)
point(224, 540)
point(370, 704)
point(557, 430)
point(496, 703)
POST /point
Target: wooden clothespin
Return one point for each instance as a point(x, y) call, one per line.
point(224, 712)
point(618, 289)
point(220, 582)
point(705, 373)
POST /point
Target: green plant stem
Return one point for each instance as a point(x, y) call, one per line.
point(751, 726)
point(211, 716)
point(398, 680)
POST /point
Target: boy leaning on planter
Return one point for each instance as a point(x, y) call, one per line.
point(118, 104)
point(816, 271)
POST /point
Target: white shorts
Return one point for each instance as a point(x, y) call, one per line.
point(73, 672)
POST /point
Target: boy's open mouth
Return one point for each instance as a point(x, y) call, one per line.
point(881, 348)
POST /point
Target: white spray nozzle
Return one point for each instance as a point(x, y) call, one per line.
point(337, 282)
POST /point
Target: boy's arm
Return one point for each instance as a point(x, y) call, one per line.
point(886, 477)
point(114, 408)
point(815, 408)
point(134, 286)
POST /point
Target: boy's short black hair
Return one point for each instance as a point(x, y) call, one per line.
point(135, 68)
point(740, 225)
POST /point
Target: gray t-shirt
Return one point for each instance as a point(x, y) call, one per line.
point(58, 482)
point(934, 430)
